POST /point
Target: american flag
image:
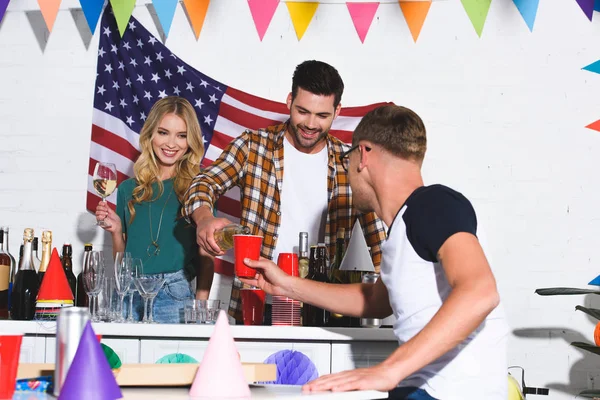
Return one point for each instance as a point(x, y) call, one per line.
point(135, 71)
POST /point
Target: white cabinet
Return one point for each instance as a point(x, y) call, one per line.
point(351, 355)
point(33, 349)
point(152, 350)
point(128, 350)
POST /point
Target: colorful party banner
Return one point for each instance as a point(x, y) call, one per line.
point(122, 10)
point(362, 15)
point(92, 9)
point(49, 9)
point(477, 11)
point(587, 6)
point(597, 5)
point(196, 10)
point(593, 67)
point(415, 13)
point(165, 10)
point(301, 15)
point(262, 12)
point(594, 125)
point(3, 6)
point(528, 10)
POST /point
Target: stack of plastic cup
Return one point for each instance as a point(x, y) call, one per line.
point(286, 311)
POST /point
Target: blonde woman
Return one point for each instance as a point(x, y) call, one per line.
point(148, 221)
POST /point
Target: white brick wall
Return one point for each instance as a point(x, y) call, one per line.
point(505, 116)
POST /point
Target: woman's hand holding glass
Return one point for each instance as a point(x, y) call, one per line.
point(105, 182)
point(108, 217)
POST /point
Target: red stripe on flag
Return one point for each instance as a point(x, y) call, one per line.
point(359, 111)
point(223, 267)
point(114, 142)
point(221, 140)
point(257, 102)
point(344, 136)
point(244, 118)
point(230, 206)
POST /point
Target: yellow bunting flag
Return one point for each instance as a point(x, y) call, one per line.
point(301, 15)
point(477, 10)
point(415, 13)
point(122, 10)
point(196, 10)
point(49, 9)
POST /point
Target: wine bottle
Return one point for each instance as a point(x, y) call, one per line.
point(67, 262)
point(4, 278)
point(46, 253)
point(13, 264)
point(82, 299)
point(26, 286)
point(224, 236)
point(312, 315)
point(303, 255)
point(36, 257)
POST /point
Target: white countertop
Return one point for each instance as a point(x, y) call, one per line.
point(258, 392)
point(286, 333)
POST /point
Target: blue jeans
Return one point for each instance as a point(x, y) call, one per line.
point(409, 393)
point(170, 301)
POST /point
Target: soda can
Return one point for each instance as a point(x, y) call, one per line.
point(69, 327)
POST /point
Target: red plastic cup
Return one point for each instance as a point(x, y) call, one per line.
point(288, 262)
point(253, 306)
point(246, 246)
point(10, 349)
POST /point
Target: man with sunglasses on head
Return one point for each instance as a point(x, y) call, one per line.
point(435, 277)
point(291, 178)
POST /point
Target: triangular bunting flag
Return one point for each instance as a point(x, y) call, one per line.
point(587, 6)
point(477, 11)
point(595, 281)
point(528, 10)
point(593, 67)
point(3, 6)
point(415, 13)
point(594, 125)
point(301, 15)
point(196, 11)
point(122, 10)
point(165, 10)
point(596, 6)
point(262, 13)
point(49, 9)
point(92, 10)
point(362, 15)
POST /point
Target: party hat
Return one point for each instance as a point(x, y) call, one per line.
point(55, 292)
point(90, 376)
point(357, 257)
point(220, 374)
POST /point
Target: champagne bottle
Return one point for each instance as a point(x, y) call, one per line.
point(303, 255)
point(13, 264)
point(224, 236)
point(67, 262)
point(26, 286)
point(82, 299)
point(46, 253)
point(36, 257)
point(4, 278)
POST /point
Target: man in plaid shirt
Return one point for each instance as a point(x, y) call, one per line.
point(278, 206)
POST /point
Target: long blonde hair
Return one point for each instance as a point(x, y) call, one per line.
point(146, 169)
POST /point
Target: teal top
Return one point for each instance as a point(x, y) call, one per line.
point(176, 239)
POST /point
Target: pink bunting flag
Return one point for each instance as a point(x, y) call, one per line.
point(262, 13)
point(362, 15)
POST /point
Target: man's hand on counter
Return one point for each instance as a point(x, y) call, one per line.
point(269, 277)
point(372, 378)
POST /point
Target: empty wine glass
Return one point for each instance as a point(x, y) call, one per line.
point(93, 277)
point(105, 182)
point(123, 280)
point(148, 285)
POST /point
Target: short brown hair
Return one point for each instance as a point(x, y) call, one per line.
point(398, 129)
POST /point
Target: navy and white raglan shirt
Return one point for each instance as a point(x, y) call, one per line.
point(417, 287)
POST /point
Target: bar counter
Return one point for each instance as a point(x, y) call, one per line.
point(330, 349)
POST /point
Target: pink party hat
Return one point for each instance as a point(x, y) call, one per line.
point(220, 374)
point(90, 376)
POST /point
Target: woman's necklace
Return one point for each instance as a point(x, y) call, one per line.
point(153, 248)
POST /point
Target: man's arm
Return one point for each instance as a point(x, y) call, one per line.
point(473, 297)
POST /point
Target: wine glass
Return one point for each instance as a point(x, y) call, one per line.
point(105, 182)
point(148, 285)
point(93, 277)
point(123, 280)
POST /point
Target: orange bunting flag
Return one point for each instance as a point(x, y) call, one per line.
point(362, 15)
point(49, 9)
point(415, 13)
point(196, 10)
point(301, 15)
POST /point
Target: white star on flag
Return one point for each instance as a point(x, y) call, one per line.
point(159, 56)
point(203, 83)
point(113, 48)
point(126, 45)
point(133, 62)
point(147, 95)
point(199, 103)
point(140, 79)
point(213, 98)
point(162, 94)
point(135, 99)
point(101, 52)
point(152, 40)
point(176, 90)
point(121, 66)
point(168, 74)
point(123, 104)
point(130, 120)
point(189, 87)
point(143, 116)
point(207, 120)
point(139, 43)
point(107, 31)
point(147, 60)
point(109, 106)
point(128, 82)
point(116, 85)
point(132, 26)
point(180, 69)
point(155, 78)
point(101, 89)
point(108, 68)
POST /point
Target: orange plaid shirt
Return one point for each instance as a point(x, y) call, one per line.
point(254, 163)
